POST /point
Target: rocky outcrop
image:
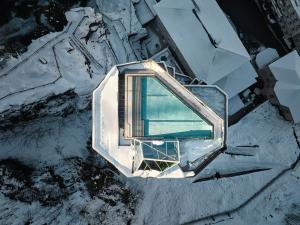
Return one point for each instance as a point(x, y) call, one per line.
point(56, 105)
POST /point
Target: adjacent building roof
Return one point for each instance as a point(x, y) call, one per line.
point(286, 71)
point(145, 11)
point(265, 57)
point(296, 5)
point(207, 42)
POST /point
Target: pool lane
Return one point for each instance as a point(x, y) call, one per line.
point(166, 116)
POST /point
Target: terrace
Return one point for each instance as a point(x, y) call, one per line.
point(146, 123)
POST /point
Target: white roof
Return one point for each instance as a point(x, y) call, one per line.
point(265, 57)
point(296, 5)
point(208, 62)
point(287, 73)
point(144, 10)
point(236, 104)
point(237, 81)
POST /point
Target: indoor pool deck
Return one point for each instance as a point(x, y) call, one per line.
point(151, 119)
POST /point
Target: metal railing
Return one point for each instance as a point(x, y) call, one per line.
point(155, 154)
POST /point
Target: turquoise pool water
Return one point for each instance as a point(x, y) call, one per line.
point(166, 116)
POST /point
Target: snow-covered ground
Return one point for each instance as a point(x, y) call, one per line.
point(58, 149)
point(50, 175)
point(55, 179)
point(75, 59)
point(47, 140)
point(53, 64)
point(70, 192)
point(181, 201)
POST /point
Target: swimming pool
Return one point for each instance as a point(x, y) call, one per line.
point(165, 116)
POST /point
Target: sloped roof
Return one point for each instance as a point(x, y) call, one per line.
point(145, 11)
point(286, 70)
point(237, 81)
point(205, 38)
point(296, 5)
point(265, 57)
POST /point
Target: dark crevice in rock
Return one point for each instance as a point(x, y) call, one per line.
point(55, 105)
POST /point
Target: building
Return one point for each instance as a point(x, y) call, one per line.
point(286, 82)
point(145, 11)
point(146, 123)
point(206, 44)
point(287, 15)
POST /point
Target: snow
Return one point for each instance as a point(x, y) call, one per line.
point(226, 62)
point(21, 79)
point(216, 99)
point(235, 105)
point(47, 140)
point(265, 57)
point(186, 24)
point(238, 80)
point(61, 194)
point(212, 96)
point(56, 144)
point(144, 11)
point(121, 10)
point(218, 26)
point(286, 71)
point(33, 84)
point(296, 5)
point(180, 201)
point(59, 62)
point(166, 56)
point(106, 129)
point(106, 124)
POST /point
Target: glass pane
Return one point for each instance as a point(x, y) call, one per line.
point(160, 150)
